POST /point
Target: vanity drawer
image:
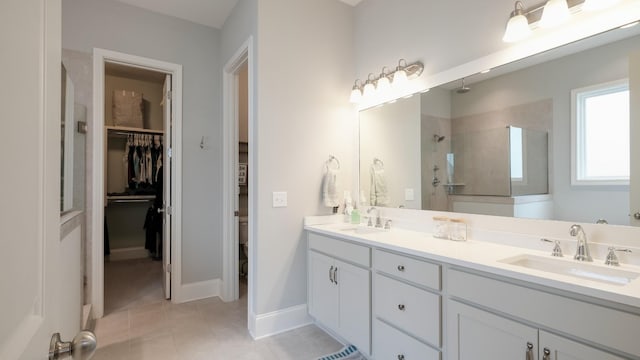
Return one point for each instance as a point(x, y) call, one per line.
point(390, 343)
point(351, 252)
point(410, 269)
point(409, 308)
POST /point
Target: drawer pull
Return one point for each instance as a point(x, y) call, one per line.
point(529, 354)
point(400, 357)
point(400, 267)
point(335, 275)
point(401, 307)
point(547, 354)
point(331, 275)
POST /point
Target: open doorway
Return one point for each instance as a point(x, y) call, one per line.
point(135, 203)
point(243, 180)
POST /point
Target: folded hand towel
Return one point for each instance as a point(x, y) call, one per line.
point(330, 189)
point(378, 194)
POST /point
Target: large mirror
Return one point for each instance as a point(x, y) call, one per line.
point(500, 143)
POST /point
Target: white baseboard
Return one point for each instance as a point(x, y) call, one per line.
point(264, 325)
point(128, 253)
point(197, 291)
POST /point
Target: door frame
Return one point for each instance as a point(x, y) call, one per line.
point(230, 246)
point(100, 57)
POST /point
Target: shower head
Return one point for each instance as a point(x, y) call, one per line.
point(463, 89)
point(437, 138)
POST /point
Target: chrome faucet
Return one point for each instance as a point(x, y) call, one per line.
point(378, 220)
point(582, 251)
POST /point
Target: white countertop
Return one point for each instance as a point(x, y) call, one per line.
point(486, 256)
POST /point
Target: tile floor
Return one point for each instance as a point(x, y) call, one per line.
point(141, 328)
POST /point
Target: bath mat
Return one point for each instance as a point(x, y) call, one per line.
point(346, 353)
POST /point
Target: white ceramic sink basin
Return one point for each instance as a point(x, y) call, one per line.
point(609, 275)
point(361, 229)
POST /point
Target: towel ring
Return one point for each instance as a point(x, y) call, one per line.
point(377, 161)
point(333, 158)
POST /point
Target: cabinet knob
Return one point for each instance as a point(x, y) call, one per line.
point(400, 267)
point(400, 357)
point(401, 307)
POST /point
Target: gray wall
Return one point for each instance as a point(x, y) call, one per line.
point(305, 76)
point(115, 26)
point(442, 34)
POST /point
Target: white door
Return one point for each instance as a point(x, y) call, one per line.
point(354, 286)
point(166, 167)
point(33, 305)
point(323, 291)
point(634, 102)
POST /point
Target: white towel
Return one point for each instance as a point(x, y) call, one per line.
point(330, 188)
point(378, 193)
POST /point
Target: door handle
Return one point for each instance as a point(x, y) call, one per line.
point(335, 275)
point(637, 215)
point(547, 354)
point(82, 347)
point(331, 274)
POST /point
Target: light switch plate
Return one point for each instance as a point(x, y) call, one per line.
point(279, 199)
point(408, 194)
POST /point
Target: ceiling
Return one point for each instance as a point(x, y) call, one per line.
point(211, 13)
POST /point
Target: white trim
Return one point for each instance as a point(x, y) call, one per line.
point(230, 288)
point(198, 290)
point(577, 134)
point(280, 321)
point(100, 56)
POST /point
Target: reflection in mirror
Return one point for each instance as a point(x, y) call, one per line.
point(499, 144)
point(72, 147)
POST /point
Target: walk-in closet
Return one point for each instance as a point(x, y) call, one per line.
point(134, 130)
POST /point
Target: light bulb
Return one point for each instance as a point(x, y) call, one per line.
point(356, 95)
point(400, 78)
point(369, 89)
point(517, 29)
point(555, 12)
point(383, 84)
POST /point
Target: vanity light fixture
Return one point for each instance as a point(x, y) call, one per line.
point(552, 13)
point(517, 26)
point(386, 81)
point(555, 12)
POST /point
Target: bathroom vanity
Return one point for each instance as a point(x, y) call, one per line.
point(400, 294)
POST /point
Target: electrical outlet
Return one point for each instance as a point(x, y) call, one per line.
point(279, 199)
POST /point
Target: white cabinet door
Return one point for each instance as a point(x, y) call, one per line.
point(560, 348)
point(323, 291)
point(354, 285)
point(475, 334)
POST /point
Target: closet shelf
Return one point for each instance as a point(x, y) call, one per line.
point(110, 128)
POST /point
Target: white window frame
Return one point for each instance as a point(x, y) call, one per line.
point(577, 134)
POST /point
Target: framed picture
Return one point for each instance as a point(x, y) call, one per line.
point(242, 174)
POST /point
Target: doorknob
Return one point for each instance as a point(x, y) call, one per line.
point(82, 347)
point(637, 215)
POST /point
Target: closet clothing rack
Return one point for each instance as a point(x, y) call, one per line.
point(123, 130)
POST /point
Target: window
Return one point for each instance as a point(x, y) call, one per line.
point(600, 134)
point(516, 153)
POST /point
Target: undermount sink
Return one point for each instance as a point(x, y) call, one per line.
point(573, 268)
point(361, 229)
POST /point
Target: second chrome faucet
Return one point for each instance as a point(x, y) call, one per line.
point(582, 250)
